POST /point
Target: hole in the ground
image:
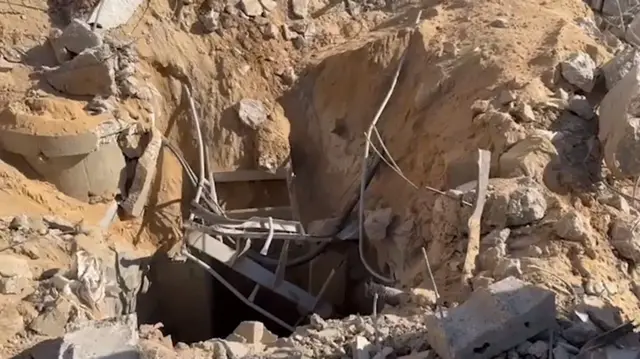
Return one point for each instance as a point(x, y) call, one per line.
point(194, 307)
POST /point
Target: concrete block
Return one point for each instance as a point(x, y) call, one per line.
point(492, 320)
point(100, 173)
point(254, 332)
point(90, 73)
point(113, 13)
point(109, 338)
point(31, 145)
point(143, 178)
point(77, 37)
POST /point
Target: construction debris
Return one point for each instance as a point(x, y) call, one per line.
point(492, 320)
point(526, 251)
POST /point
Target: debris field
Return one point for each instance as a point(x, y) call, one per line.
point(362, 179)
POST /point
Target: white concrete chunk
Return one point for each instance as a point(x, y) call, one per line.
point(113, 13)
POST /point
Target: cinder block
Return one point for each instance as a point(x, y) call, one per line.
point(492, 320)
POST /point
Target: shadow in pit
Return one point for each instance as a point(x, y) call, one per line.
point(194, 307)
point(577, 167)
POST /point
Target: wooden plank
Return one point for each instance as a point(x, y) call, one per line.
point(473, 246)
point(248, 175)
point(254, 271)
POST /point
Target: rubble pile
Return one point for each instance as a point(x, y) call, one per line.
point(112, 101)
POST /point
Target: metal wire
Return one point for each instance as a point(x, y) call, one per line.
point(233, 290)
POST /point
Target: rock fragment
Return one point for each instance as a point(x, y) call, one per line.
point(529, 157)
point(300, 8)
point(254, 332)
point(492, 320)
point(539, 349)
point(500, 23)
point(78, 36)
point(573, 227)
point(269, 5)
point(579, 105)
point(489, 258)
point(580, 332)
point(507, 267)
point(376, 224)
point(11, 323)
point(514, 202)
point(361, 348)
point(251, 8)
point(252, 113)
point(15, 285)
point(579, 69)
point(560, 352)
point(210, 20)
point(53, 320)
point(89, 73)
point(14, 266)
point(616, 201)
point(626, 241)
point(270, 31)
point(20, 222)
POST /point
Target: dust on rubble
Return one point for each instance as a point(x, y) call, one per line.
point(521, 79)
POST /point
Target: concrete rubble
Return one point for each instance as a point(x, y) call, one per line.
point(492, 321)
point(559, 241)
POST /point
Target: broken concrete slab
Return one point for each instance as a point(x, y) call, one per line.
point(53, 320)
point(32, 145)
point(88, 74)
point(100, 173)
point(77, 37)
point(492, 320)
point(109, 338)
point(109, 14)
point(619, 126)
point(254, 332)
point(145, 172)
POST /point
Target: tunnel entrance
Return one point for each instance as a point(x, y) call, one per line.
point(193, 306)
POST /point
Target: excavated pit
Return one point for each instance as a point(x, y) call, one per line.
point(193, 306)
